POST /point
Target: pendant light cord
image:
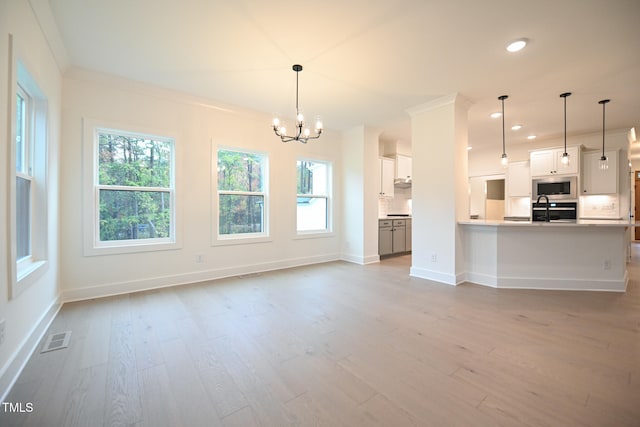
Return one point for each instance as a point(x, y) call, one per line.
point(603, 108)
point(603, 102)
point(502, 98)
point(297, 109)
point(564, 95)
point(503, 145)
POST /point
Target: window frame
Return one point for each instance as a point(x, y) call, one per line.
point(27, 270)
point(328, 231)
point(240, 238)
point(25, 171)
point(92, 245)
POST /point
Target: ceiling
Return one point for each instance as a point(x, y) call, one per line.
point(367, 61)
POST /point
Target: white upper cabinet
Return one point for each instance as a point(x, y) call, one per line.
point(549, 162)
point(518, 180)
point(597, 181)
point(403, 166)
point(387, 175)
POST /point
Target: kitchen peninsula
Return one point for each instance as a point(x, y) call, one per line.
point(585, 255)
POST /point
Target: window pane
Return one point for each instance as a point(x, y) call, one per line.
point(312, 213)
point(312, 178)
point(131, 215)
point(23, 217)
point(239, 171)
point(21, 109)
point(241, 214)
point(133, 161)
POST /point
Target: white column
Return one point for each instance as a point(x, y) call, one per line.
point(440, 188)
point(360, 195)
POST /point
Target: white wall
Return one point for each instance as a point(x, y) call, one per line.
point(26, 315)
point(200, 125)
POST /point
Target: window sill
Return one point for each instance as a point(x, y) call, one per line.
point(228, 241)
point(314, 235)
point(124, 248)
point(28, 272)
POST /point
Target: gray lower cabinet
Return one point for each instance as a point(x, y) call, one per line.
point(385, 237)
point(392, 236)
point(399, 235)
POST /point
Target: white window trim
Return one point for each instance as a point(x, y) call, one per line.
point(92, 246)
point(328, 232)
point(218, 239)
point(28, 270)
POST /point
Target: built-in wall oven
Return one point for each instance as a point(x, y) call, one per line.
point(555, 187)
point(554, 211)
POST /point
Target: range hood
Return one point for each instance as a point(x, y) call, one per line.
point(402, 182)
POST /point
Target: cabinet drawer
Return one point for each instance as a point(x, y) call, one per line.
point(399, 222)
point(385, 223)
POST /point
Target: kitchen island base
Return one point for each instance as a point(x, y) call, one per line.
point(581, 257)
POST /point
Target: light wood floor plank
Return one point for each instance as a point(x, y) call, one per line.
point(341, 344)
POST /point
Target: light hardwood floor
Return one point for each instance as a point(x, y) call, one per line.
point(340, 344)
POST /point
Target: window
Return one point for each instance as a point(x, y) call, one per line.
point(242, 199)
point(24, 178)
point(313, 200)
point(134, 189)
point(28, 192)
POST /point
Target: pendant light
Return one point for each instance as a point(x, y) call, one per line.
point(302, 133)
point(503, 160)
point(604, 162)
point(565, 156)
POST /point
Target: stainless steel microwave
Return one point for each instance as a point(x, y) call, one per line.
point(555, 187)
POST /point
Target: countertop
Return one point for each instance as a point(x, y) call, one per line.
point(382, 218)
point(578, 223)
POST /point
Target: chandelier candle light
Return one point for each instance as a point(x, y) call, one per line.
point(503, 160)
point(604, 162)
point(303, 134)
point(565, 155)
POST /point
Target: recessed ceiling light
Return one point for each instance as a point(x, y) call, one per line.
point(496, 115)
point(531, 137)
point(517, 45)
point(516, 127)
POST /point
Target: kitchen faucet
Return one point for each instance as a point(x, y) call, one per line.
point(546, 215)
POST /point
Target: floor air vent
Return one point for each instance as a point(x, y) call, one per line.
point(56, 341)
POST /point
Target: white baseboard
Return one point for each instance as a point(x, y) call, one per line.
point(119, 288)
point(436, 276)
point(362, 260)
point(551, 283)
point(16, 363)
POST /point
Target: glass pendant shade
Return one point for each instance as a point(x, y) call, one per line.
point(603, 163)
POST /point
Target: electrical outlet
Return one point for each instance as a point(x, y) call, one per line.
point(434, 257)
point(1, 331)
point(199, 258)
point(607, 264)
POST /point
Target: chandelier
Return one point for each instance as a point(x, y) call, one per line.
point(302, 133)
